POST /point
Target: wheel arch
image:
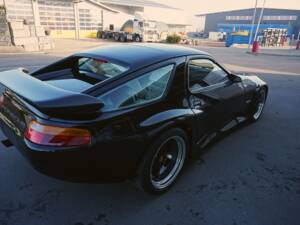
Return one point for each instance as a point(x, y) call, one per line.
point(168, 126)
point(266, 87)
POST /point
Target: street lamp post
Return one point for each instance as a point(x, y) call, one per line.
point(255, 42)
point(252, 26)
point(259, 20)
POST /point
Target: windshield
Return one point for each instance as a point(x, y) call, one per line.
point(100, 67)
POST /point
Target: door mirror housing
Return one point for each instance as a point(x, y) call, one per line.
point(235, 78)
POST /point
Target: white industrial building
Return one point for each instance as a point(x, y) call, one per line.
point(82, 18)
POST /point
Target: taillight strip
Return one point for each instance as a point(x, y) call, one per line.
point(47, 135)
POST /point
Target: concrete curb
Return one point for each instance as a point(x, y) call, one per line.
point(11, 49)
point(274, 54)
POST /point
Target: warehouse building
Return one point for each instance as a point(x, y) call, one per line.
point(82, 18)
point(240, 20)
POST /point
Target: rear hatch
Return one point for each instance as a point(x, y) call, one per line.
point(14, 116)
point(24, 98)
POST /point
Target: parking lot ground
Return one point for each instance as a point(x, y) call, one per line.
point(251, 176)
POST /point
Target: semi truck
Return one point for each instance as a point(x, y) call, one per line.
point(137, 30)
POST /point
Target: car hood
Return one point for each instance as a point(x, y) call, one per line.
point(252, 79)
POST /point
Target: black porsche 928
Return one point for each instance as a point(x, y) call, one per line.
point(123, 112)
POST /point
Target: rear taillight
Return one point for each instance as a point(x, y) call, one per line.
point(56, 136)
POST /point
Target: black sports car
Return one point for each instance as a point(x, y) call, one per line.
point(123, 111)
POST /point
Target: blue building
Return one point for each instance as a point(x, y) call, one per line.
point(240, 20)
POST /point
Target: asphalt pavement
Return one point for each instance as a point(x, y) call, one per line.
point(250, 176)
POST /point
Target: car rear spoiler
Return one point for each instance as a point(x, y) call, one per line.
point(47, 98)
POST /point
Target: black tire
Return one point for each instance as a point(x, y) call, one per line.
point(258, 104)
point(137, 38)
point(123, 38)
point(160, 158)
point(116, 37)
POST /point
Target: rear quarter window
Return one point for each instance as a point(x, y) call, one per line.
point(143, 89)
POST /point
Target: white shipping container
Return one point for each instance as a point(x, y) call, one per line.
point(215, 36)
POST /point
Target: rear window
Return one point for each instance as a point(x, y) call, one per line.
point(101, 67)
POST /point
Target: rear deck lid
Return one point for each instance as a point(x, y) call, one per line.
point(46, 98)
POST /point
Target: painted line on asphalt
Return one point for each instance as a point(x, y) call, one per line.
point(33, 66)
point(257, 70)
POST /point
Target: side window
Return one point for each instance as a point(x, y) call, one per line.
point(203, 73)
point(146, 88)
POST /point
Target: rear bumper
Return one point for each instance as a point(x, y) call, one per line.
point(106, 162)
point(80, 165)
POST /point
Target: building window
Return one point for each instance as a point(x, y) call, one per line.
point(20, 10)
point(56, 14)
point(90, 19)
point(289, 17)
point(239, 17)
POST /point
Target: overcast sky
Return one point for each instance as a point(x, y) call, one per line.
point(204, 6)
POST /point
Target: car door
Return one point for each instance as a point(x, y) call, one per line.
point(213, 94)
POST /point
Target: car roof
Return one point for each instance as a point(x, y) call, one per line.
point(139, 55)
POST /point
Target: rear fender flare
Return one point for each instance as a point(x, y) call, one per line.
point(159, 123)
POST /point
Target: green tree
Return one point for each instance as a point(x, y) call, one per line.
point(174, 39)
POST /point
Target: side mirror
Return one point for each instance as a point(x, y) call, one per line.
point(24, 70)
point(234, 78)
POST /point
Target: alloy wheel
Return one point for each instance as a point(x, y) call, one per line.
point(168, 162)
